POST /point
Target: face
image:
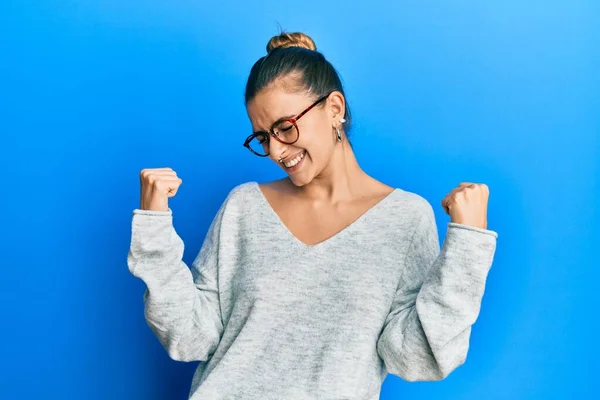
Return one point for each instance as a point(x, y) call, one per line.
point(317, 138)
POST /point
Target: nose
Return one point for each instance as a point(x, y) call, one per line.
point(276, 149)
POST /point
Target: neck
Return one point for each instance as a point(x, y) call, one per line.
point(341, 180)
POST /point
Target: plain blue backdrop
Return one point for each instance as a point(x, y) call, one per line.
point(505, 93)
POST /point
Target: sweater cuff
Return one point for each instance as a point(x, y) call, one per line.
point(473, 228)
point(153, 212)
point(469, 245)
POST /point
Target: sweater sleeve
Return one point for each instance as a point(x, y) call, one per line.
point(426, 334)
point(181, 305)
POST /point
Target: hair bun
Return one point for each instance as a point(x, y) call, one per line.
point(293, 39)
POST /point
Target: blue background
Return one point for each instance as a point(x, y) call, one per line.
point(505, 93)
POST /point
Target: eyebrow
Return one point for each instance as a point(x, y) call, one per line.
point(279, 120)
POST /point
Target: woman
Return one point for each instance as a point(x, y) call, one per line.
point(319, 284)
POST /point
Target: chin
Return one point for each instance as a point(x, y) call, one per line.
point(299, 180)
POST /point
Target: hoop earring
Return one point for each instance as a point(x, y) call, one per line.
point(339, 135)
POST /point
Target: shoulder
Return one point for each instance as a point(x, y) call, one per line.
point(242, 190)
point(418, 219)
point(241, 197)
point(236, 207)
point(401, 202)
point(411, 203)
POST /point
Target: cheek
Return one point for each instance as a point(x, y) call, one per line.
point(315, 141)
point(320, 148)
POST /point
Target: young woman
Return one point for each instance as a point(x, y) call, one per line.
point(317, 285)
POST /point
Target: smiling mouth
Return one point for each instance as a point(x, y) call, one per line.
point(295, 161)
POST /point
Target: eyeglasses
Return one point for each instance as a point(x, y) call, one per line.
point(284, 130)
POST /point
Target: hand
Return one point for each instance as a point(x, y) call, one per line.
point(156, 186)
point(467, 204)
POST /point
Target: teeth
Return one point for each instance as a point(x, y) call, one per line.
point(294, 161)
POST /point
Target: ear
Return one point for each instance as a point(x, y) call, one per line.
point(337, 108)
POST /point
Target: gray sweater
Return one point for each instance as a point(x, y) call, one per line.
point(269, 317)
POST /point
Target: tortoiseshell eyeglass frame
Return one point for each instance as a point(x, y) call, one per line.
point(275, 135)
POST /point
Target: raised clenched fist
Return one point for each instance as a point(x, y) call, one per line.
point(156, 186)
point(467, 204)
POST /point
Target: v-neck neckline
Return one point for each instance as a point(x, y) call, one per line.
point(326, 242)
